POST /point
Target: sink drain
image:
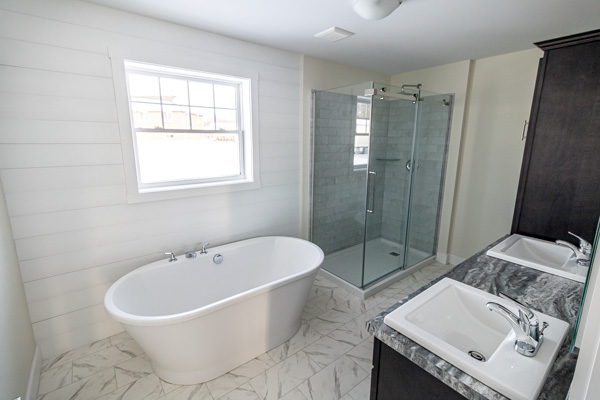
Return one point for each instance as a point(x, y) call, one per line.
point(477, 355)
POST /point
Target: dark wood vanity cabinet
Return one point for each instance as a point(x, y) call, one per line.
point(395, 377)
point(559, 187)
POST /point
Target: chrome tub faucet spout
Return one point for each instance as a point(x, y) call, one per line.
point(529, 336)
point(191, 254)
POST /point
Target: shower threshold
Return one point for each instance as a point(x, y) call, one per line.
point(344, 267)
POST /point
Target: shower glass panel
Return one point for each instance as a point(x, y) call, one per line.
point(338, 186)
point(428, 161)
point(391, 145)
point(370, 195)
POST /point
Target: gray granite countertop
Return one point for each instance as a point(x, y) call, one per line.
point(550, 294)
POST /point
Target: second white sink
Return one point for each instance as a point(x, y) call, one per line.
point(541, 255)
point(451, 320)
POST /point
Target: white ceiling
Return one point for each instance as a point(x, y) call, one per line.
point(419, 34)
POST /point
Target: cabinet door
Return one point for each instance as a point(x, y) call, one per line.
point(559, 190)
point(395, 377)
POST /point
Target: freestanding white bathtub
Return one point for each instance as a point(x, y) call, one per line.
point(197, 320)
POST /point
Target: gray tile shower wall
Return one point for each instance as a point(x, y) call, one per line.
point(338, 190)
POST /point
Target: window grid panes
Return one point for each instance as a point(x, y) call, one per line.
point(187, 129)
point(189, 105)
point(363, 130)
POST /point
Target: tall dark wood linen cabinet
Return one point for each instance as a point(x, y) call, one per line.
point(559, 187)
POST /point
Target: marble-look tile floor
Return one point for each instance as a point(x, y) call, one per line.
point(328, 359)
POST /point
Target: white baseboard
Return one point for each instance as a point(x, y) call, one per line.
point(454, 259)
point(447, 258)
point(34, 375)
point(442, 258)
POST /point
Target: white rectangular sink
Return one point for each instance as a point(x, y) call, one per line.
point(451, 319)
point(541, 255)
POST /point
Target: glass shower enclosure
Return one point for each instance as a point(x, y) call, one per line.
point(379, 156)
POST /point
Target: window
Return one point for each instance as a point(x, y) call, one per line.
point(190, 129)
point(363, 129)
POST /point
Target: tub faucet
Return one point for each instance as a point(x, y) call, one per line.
point(171, 257)
point(191, 254)
point(582, 253)
point(529, 336)
point(204, 246)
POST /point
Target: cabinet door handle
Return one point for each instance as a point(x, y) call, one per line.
point(524, 133)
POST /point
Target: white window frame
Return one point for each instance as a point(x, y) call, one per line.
point(193, 64)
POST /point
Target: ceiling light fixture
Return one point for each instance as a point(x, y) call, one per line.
point(334, 34)
point(375, 9)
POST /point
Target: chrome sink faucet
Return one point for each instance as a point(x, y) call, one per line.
point(582, 253)
point(529, 336)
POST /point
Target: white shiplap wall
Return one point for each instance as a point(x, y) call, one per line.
point(61, 160)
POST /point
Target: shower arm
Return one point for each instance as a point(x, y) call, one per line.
point(377, 92)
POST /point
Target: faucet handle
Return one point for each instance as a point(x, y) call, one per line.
point(530, 318)
point(204, 246)
point(584, 246)
point(544, 326)
point(171, 256)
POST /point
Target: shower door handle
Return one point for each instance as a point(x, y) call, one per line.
point(374, 174)
point(409, 165)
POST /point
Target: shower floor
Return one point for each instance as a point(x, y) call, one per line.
point(347, 263)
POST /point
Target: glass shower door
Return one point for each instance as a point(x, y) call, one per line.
point(392, 129)
point(429, 159)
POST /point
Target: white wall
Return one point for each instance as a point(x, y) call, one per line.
point(499, 102)
point(492, 100)
point(16, 336)
point(450, 78)
point(61, 160)
point(320, 74)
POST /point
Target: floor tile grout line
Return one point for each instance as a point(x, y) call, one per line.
point(297, 387)
point(73, 381)
point(367, 377)
point(72, 361)
point(338, 358)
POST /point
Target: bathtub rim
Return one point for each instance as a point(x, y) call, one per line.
point(137, 320)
